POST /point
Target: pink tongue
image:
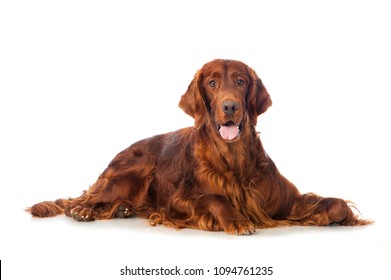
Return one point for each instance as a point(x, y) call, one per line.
point(229, 132)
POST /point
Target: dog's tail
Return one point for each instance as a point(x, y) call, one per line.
point(49, 208)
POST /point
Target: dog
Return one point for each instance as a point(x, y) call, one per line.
point(214, 176)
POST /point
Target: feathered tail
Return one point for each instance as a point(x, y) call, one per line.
point(49, 208)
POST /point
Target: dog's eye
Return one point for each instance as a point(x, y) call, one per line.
point(240, 82)
point(212, 83)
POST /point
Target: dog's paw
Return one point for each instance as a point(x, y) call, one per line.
point(82, 214)
point(123, 212)
point(240, 227)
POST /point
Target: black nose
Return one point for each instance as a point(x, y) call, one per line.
point(229, 107)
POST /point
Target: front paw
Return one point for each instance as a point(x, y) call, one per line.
point(240, 227)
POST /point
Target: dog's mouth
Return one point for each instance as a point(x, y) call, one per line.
point(230, 131)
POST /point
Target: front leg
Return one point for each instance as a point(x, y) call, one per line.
point(311, 209)
point(224, 215)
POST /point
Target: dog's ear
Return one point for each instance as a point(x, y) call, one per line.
point(193, 103)
point(258, 99)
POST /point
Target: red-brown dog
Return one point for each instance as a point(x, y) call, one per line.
point(213, 176)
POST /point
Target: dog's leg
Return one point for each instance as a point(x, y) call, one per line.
point(119, 190)
point(224, 214)
point(109, 198)
point(311, 209)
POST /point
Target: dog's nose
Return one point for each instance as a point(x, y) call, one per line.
point(229, 107)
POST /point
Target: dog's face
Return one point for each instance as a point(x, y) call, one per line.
point(227, 92)
point(225, 87)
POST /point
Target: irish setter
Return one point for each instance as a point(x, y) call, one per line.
point(213, 176)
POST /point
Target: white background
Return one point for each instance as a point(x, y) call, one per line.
point(82, 80)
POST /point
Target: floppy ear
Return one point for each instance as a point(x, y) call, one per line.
point(192, 102)
point(258, 99)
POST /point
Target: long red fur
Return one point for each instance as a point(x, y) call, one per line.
point(194, 178)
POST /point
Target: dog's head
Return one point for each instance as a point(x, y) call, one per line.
point(226, 92)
